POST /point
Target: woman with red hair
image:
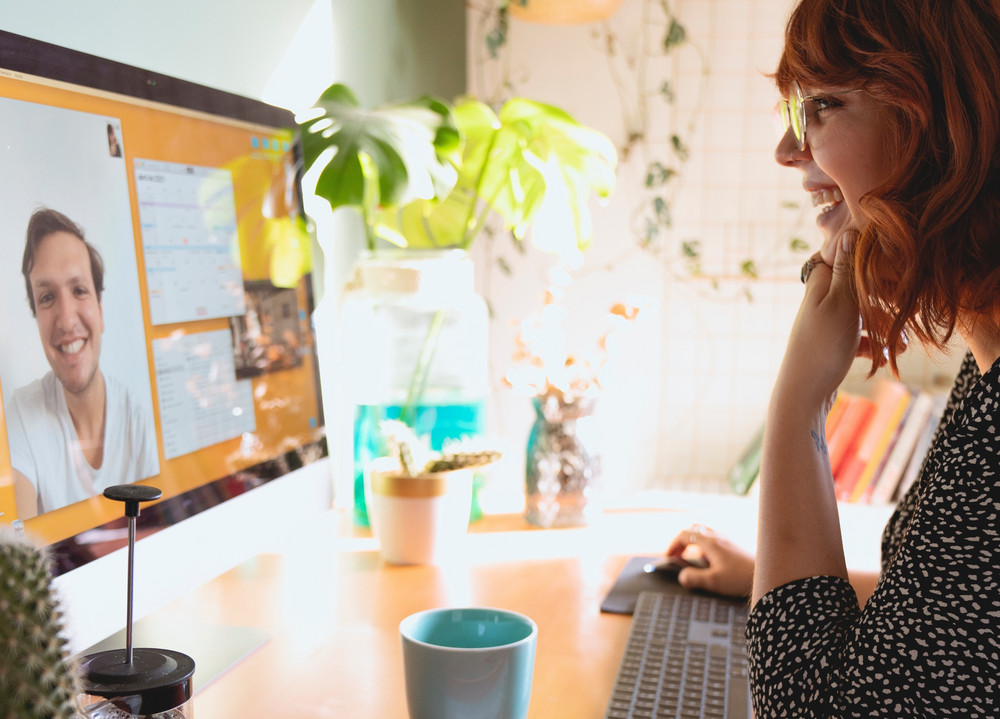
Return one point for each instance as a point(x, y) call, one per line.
point(892, 112)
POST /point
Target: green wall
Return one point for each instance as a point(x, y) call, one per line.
point(394, 49)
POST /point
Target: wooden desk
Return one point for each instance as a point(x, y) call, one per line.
point(331, 608)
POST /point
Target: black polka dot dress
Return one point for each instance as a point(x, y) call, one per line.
point(927, 643)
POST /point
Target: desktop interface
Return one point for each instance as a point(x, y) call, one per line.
point(196, 318)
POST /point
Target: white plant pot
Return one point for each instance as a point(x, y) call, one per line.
point(421, 519)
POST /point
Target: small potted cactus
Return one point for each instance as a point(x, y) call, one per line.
point(37, 675)
point(421, 499)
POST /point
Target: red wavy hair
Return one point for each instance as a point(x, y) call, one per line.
point(929, 256)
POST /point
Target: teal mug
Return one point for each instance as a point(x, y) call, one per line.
point(471, 663)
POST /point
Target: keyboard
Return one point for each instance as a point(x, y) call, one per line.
point(685, 658)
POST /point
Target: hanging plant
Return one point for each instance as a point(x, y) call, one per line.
point(641, 71)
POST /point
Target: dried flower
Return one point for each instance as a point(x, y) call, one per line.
point(543, 367)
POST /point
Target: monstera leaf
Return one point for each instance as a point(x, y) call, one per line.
point(534, 165)
point(379, 158)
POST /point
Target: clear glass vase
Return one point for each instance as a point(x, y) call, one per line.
point(415, 344)
point(563, 469)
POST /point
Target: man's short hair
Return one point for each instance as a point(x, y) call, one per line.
point(43, 223)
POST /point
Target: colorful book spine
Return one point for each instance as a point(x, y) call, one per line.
point(853, 422)
point(836, 414)
point(884, 400)
point(883, 430)
point(922, 446)
point(899, 456)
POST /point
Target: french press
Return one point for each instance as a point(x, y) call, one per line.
point(136, 683)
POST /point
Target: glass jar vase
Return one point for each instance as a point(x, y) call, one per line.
point(563, 462)
point(415, 347)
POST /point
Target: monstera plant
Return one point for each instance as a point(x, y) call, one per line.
point(429, 174)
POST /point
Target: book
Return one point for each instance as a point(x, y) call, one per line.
point(836, 413)
point(853, 421)
point(922, 446)
point(898, 457)
point(883, 430)
point(889, 401)
point(866, 497)
point(744, 472)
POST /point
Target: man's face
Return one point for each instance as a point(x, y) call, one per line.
point(70, 320)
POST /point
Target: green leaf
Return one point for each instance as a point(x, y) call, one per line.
point(658, 174)
point(651, 233)
point(748, 268)
point(667, 92)
point(389, 154)
point(679, 147)
point(676, 35)
point(691, 249)
point(662, 211)
point(797, 244)
point(533, 165)
point(497, 37)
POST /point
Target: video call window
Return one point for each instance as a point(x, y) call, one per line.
point(145, 339)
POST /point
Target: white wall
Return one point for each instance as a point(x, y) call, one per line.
point(234, 45)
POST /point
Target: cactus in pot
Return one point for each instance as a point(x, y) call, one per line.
point(421, 499)
point(37, 676)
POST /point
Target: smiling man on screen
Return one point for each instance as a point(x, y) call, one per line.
point(75, 431)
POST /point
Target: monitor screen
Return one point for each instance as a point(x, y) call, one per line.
point(156, 297)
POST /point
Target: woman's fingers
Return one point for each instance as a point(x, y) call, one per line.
point(687, 538)
point(729, 568)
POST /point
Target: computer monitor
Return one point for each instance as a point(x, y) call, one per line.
point(201, 336)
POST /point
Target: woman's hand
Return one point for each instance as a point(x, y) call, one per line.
point(826, 335)
point(730, 568)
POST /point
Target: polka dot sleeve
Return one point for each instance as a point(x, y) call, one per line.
point(793, 633)
point(927, 643)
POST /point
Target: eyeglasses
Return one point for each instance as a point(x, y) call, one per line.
point(793, 111)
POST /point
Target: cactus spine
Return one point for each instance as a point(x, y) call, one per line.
point(37, 677)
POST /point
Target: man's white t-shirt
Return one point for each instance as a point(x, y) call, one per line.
point(45, 449)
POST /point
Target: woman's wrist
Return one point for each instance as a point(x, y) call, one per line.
point(800, 403)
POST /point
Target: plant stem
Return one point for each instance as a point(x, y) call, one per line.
point(481, 220)
point(369, 198)
point(468, 234)
point(366, 216)
point(418, 381)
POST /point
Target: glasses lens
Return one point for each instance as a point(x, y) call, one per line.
point(785, 113)
point(797, 115)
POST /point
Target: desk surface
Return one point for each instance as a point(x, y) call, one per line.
point(331, 608)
